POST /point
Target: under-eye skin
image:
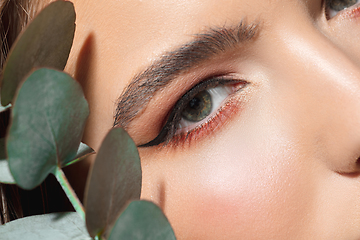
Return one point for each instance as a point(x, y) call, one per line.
point(333, 7)
point(202, 106)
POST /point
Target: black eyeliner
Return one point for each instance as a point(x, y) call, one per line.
point(172, 122)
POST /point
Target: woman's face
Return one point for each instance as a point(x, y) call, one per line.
point(266, 132)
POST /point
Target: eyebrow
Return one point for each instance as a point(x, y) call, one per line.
point(159, 74)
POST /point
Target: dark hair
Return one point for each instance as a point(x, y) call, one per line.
point(15, 14)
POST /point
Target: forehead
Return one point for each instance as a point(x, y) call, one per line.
point(140, 24)
point(134, 33)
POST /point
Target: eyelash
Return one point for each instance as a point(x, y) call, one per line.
point(169, 134)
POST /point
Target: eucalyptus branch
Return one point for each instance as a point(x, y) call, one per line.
point(60, 176)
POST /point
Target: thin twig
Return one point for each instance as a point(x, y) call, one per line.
point(60, 176)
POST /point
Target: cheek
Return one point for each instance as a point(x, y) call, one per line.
point(249, 188)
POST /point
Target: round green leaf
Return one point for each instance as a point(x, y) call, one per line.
point(54, 226)
point(5, 174)
point(142, 220)
point(114, 180)
point(46, 42)
point(47, 124)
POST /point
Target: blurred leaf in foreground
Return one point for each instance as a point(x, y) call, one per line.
point(114, 180)
point(3, 109)
point(142, 220)
point(46, 42)
point(48, 120)
point(5, 174)
point(54, 226)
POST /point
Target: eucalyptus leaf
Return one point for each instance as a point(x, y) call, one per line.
point(54, 226)
point(47, 124)
point(5, 174)
point(142, 220)
point(114, 180)
point(46, 42)
point(82, 152)
point(4, 108)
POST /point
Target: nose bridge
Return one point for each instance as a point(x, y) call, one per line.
point(333, 84)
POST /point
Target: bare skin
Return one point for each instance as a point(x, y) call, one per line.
point(282, 163)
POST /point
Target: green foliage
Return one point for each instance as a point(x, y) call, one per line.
point(142, 220)
point(37, 49)
point(82, 152)
point(3, 109)
point(117, 166)
point(48, 120)
point(54, 226)
point(5, 174)
point(48, 114)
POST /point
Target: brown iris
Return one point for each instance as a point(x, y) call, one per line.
point(339, 5)
point(198, 108)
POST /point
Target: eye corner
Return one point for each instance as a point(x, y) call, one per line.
point(341, 8)
point(328, 13)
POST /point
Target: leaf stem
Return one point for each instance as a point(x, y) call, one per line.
point(60, 176)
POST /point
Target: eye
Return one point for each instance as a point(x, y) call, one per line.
point(333, 7)
point(203, 104)
point(197, 108)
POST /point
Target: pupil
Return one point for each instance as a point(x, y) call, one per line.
point(339, 5)
point(198, 108)
point(195, 103)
